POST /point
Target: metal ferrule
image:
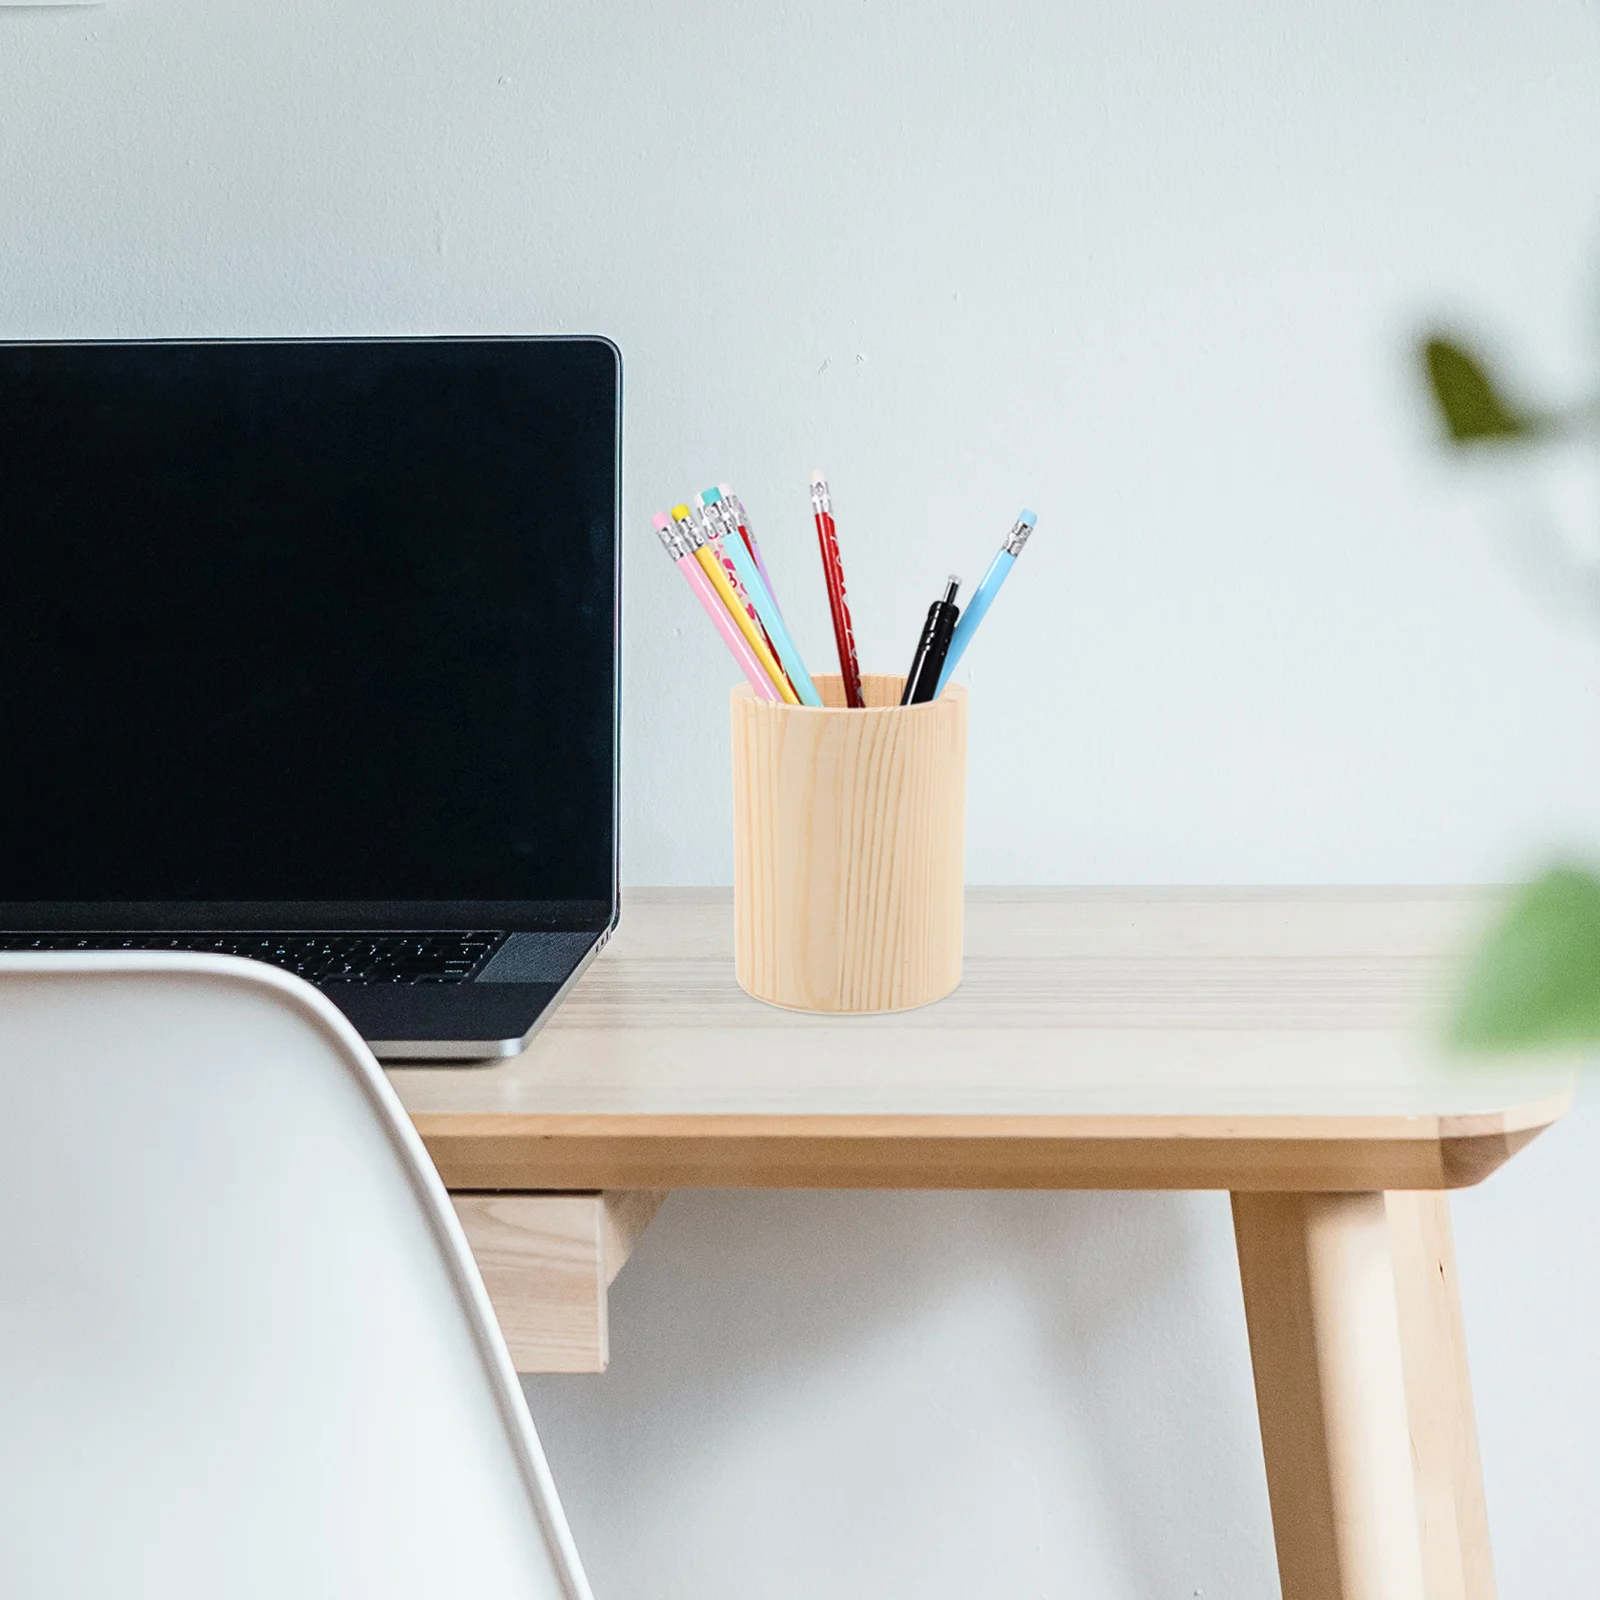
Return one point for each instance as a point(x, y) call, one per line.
point(820, 501)
point(689, 533)
point(1016, 539)
point(721, 516)
point(707, 524)
point(675, 540)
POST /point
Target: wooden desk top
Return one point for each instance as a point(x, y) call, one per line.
point(1101, 1039)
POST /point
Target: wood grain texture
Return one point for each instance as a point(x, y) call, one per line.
point(717, 1152)
point(1249, 1040)
point(546, 1261)
point(543, 1264)
point(624, 1217)
point(1458, 1562)
point(1320, 1302)
point(848, 848)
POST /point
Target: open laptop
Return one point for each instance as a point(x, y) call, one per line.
point(308, 653)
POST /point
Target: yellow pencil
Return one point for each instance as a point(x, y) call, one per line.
point(740, 612)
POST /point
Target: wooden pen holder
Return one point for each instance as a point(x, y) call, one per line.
point(849, 829)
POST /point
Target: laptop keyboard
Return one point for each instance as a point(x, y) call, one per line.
point(411, 957)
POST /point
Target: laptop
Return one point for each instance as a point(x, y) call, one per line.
point(308, 654)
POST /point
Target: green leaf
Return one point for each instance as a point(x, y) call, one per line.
point(1536, 980)
point(1469, 402)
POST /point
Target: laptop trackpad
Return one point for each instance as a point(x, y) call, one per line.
point(537, 958)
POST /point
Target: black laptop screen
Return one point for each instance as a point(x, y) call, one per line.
point(308, 622)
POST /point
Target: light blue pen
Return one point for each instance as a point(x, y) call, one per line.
point(983, 596)
point(783, 645)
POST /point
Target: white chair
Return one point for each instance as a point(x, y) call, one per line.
point(244, 1349)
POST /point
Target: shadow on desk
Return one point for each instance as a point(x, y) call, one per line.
point(929, 1395)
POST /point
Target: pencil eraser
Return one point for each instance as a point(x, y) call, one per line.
point(680, 513)
point(725, 490)
point(661, 522)
point(818, 477)
point(1027, 519)
point(709, 497)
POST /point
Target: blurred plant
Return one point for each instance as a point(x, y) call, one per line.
point(1535, 982)
point(1470, 403)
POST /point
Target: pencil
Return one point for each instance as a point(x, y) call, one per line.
point(983, 596)
point(833, 572)
point(716, 510)
point(678, 548)
point(719, 571)
point(741, 519)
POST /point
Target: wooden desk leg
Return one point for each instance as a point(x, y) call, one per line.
point(1319, 1293)
point(1456, 1558)
point(547, 1261)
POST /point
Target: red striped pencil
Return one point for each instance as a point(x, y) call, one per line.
point(833, 571)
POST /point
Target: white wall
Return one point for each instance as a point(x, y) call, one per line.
point(1148, 268)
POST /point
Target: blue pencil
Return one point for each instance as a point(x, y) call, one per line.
point(983, 596)
point(783, 646)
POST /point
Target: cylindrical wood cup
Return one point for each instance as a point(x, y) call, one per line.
point(849, 829)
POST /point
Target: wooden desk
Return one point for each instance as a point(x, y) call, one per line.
point(1275, 1044)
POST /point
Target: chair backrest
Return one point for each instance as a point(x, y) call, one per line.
point(244, 1349)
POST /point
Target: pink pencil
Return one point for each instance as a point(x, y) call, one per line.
point(683, 558)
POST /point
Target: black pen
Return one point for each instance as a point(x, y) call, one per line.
point(922, 682)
